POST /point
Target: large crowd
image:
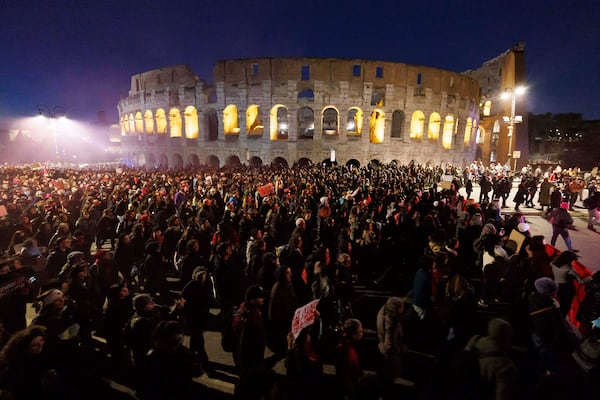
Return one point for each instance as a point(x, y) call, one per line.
point(139, 258)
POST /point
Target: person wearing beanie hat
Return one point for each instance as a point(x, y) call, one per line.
point(497, 371)
point(549, 331)
point(561, 220)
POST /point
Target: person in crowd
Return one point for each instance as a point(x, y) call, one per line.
point(348, 366)
point(589, 309)
point(561, 220)
point(251, 339)
point(563, 276)
point(282, 304)
point(118, 312)
point(390, 341)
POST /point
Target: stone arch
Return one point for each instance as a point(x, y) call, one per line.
point(496, 128)
point(353, 163)
point(377, 97)
point(213, 161)
point(377, 126)
point(330, 118)
point(193, 161)
point(163, 161)
point(139, 123)
point(279, 162)
point(177, 161)
point(149, 122)
point(212, 123)
point(254, 123)
point(150, 161)
point(131, 123)
point(433, 129)
point(304, 162)
point(279, 122)
point(354, 122)
point(468, 130)
point(231, 124)
point(255, 161)
point(233, 161)
point(140, 159)
point(306, 123)
point(174, 123)
point(191, 122)
point(161, 122)
point(417, 125)
point(448, 132)
point(397, 124)
point(487, 108)
point(123, 125)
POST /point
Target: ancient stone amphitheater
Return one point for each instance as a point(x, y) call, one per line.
point(301, 110)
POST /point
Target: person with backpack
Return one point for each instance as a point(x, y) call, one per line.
point(495, 374)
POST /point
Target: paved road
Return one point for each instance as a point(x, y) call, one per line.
point(584, 240)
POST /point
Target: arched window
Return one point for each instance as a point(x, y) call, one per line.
point(433, 131)
point(480, 137)
point(124, 126)
point(161, 122)
point(377, 126)
point(417, 125)
point(448, 132)
point(496, 128)
point(212, 122)
point(131, 124)
point(254, 123)
point(487, 108)
point(354, 122)
point(174, 123)
point(231, 124)
point(149, 122)
point(330, 121)
point(377, 98)
point(468, 129)
point(279, 123)
point(191, 122)
point(397, 122)
point(139, 123)
point(306, 123)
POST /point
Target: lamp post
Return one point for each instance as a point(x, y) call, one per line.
point(512, 119)
point(52, 113)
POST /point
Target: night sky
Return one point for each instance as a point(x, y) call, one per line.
point(80, 54)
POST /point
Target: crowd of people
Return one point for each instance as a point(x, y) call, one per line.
point(140, 257)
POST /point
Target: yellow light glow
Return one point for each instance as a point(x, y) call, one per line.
point(355, 121)
point(149, 122)
point(161, 122)
point(230, 120)
point(131, 120)
point(417, 125)
point(487, 108)
point(433, 132)
point(123, 125)
point(254, 124)
point(278, 122)
point(377, 126)
point(174, 123)
point(448, 132)
point(468, 129)
point(191, 122)
point(139, 123)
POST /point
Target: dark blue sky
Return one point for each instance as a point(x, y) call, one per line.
point(80, 54)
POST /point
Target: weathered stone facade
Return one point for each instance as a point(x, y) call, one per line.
point(288, 110)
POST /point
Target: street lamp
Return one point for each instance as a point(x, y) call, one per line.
point(52, 114)
point(513, 119)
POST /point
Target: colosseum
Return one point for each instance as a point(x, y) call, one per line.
point(311, 110)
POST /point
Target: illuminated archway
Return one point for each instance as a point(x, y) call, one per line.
point(377, 126)
point(496, 128)
point(487, 108)
point(330, 121)
point(354, 122)
point(433, 130)
point(448, 132)
point(174, 123)
point(149, 122)
point(306, 123)
point(161, 122)
point(279, 122)
point(254, 123)
point(139, 123)
point(230, 120)
point(177, 161)
point(191, 122)
point(417, 125)
point(468, 129)
point(124, 126)
point(131, 124)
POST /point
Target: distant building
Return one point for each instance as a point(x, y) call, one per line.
point(310, 110)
